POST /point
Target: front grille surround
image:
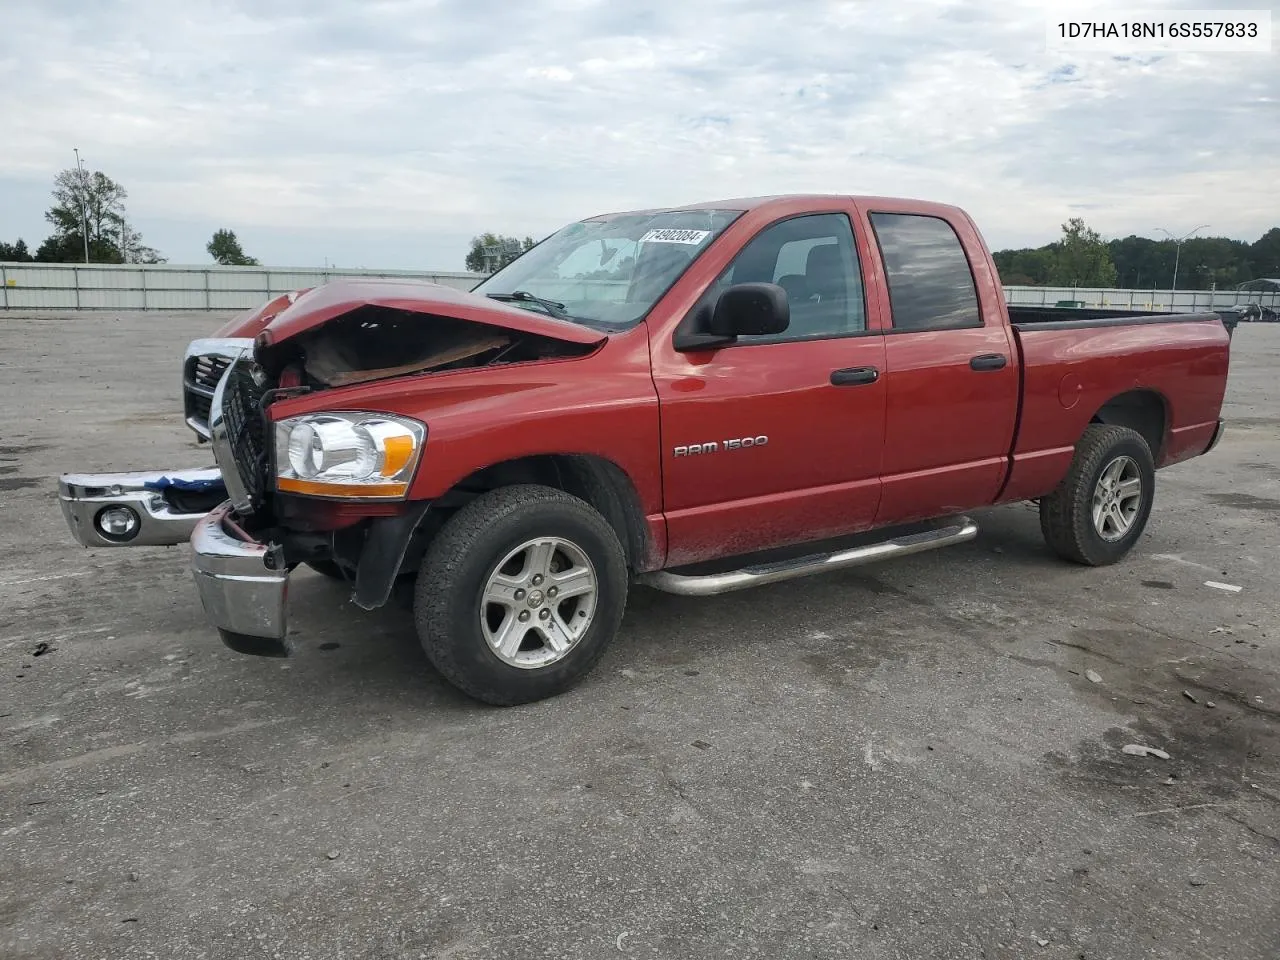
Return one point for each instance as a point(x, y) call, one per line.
point(203, 366)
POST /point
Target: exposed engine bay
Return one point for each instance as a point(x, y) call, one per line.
point(379, 343)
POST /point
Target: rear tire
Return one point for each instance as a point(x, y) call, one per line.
point(520, 593)
point(1100, 509)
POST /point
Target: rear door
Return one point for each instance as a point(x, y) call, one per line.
point(776, 439)
point(951, 368)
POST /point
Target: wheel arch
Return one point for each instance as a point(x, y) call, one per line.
point(592, 478)
point(1143, 410)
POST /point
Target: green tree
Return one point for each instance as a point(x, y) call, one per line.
point(1142, 263)
point(1264, 255)
point(490, 252)
point(1081, 258)
point(1027, 267)
point(134, 250)
point(1145, 264)
point(92, 203)
point(69, 248)
point(225, 249)
point(15, 252)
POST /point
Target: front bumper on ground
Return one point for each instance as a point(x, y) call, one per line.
point(84, 496)
point(243, 583)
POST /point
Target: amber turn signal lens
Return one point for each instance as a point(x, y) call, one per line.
point(312, 488)
point(398, 453)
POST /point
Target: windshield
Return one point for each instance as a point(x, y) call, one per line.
point(608, 271)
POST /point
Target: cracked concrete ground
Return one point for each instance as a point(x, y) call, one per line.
point(905, 761)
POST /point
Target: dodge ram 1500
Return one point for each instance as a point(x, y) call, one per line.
point(699, 399)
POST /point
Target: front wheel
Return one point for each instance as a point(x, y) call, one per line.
point(520, 593)
point(1101, 507)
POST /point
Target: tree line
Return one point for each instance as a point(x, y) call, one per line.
point(89, 221)
point(90, 225)
point(490, 252)
point(1081, 258)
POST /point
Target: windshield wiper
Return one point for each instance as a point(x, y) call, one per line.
point(524, 296)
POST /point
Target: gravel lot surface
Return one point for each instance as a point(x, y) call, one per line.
point(905, 761)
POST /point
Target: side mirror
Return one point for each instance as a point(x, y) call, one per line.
point(743, 310)
point(751, 310)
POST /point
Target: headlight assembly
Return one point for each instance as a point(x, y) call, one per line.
point(362, 455)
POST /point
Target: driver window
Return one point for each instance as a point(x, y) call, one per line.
point(813, 259)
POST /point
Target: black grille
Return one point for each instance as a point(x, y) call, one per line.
point(198, 407)
point(201, 375)
point(246, 432)
point(206, 371)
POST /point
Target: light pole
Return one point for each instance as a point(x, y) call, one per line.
point(84, 215)
point(1177, 252)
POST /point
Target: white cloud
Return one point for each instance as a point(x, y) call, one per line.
point(388, 132)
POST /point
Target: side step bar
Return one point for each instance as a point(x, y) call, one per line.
point(759, 575)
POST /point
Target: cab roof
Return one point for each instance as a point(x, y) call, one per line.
point(795, 202)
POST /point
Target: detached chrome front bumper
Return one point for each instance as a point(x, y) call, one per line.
point(243, 583)
point(84, 496)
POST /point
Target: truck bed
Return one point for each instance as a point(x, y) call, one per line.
point(1076, 362)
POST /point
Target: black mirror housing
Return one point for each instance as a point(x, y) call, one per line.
point(743, 310)
point(751, 310)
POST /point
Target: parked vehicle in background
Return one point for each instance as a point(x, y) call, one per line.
point(698, 399)
point(1256, 313)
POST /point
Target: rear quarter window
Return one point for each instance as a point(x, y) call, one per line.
point(931, 286)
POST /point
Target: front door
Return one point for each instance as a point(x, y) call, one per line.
point(776, 439)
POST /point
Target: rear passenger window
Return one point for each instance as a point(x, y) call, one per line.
point(930, 284)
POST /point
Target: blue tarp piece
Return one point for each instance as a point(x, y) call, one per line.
point(190, 486)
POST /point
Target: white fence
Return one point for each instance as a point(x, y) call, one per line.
point(69, 286)
point(1176, 301)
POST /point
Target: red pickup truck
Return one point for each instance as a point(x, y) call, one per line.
point(698, 399)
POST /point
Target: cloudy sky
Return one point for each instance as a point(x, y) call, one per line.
point(387, 132)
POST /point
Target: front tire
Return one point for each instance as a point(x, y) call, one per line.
point(1100, 509)
point(520, 593)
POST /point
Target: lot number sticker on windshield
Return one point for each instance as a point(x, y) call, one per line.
point(693, 237)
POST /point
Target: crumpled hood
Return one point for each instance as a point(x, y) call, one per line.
point(249, 323)
point(293, 314)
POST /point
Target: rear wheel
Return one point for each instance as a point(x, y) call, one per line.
point(1101, 507)
point(520, 593)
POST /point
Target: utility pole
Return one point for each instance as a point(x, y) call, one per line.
point(1177, 252)
point(84, 213)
